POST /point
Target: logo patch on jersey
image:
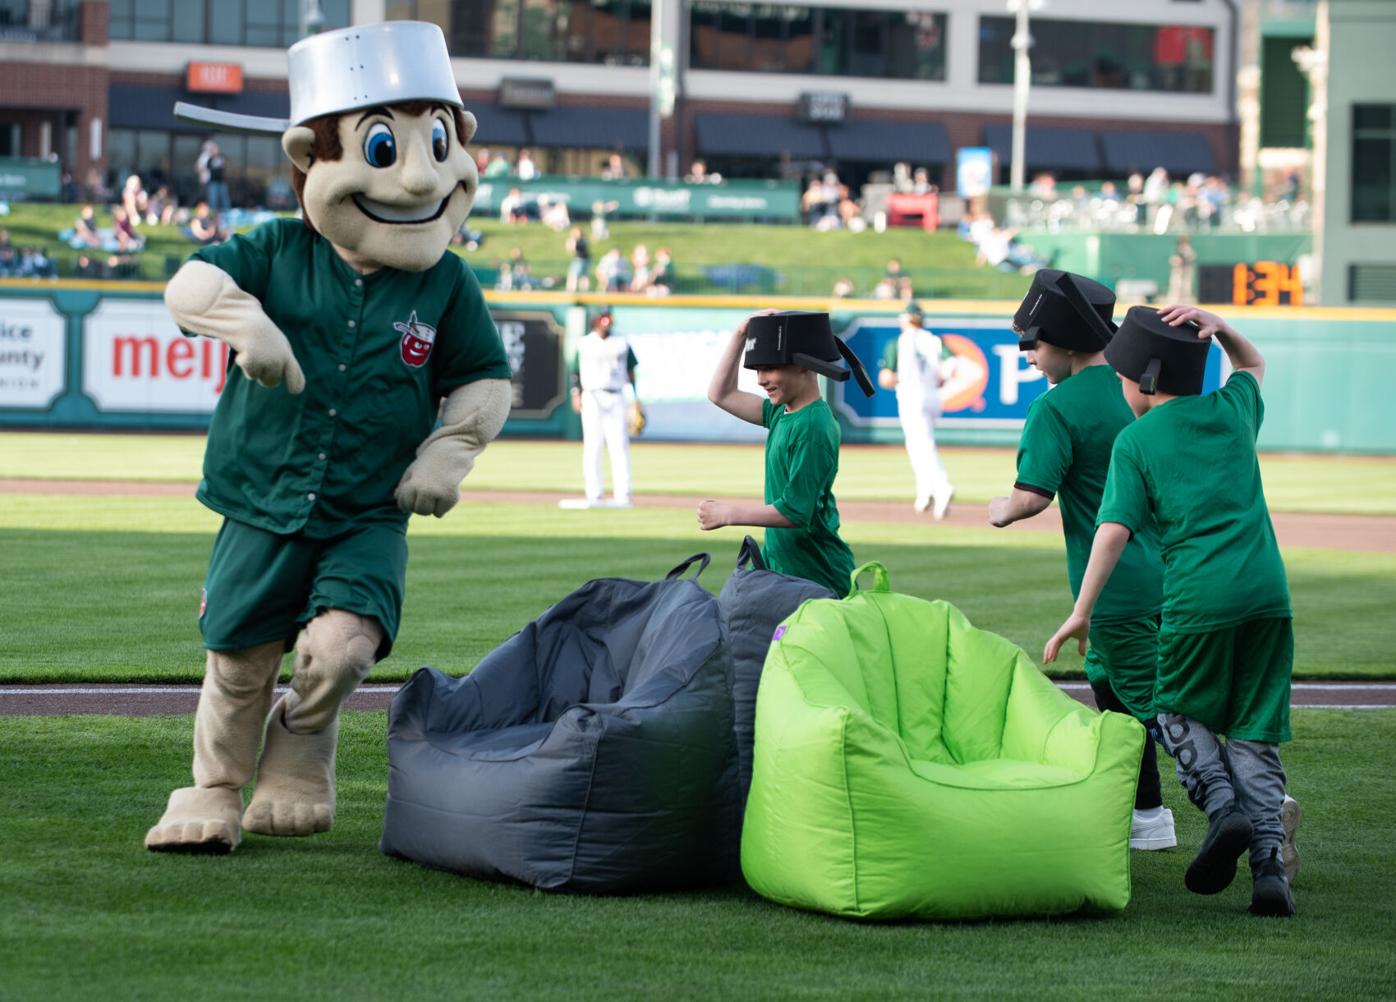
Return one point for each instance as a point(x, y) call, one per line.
point(417, 339)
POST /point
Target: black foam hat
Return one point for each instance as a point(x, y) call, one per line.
point(803, 339)
point(1065, 310)
point(1159, 357)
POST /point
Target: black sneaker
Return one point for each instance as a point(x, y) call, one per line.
point(1214, 867)
point(1270, 894)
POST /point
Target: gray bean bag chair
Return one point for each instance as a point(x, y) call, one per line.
point(592, 751)
point(754, 601)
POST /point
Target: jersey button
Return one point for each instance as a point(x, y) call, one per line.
point(333, 412)
point(322, 457)
point(310, 496)
point(342, 366)
point(359, 282)
point(351, 324)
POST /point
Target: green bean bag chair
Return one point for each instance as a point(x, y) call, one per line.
point(907, 764)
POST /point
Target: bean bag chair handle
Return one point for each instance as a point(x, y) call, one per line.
point(879, 573)
point(750, 553)
point(679, 570)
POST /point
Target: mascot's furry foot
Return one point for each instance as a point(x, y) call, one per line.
point(198, 820)
point(295, 780)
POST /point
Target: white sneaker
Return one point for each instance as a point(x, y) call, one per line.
point(576, 504)
point(1289, 852)
point(922, 504)
point(1152, 830)
point(942, 504)
point(621, 503)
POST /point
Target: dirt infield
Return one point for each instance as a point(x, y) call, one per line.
point(1360, 533)
point(167, 700)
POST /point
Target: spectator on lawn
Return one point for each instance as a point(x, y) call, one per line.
point(135, 200)
point(579, 267)
point(526, 169)
point(203, 227)
point(612, 271)
point(85, 232)
point(128, 241)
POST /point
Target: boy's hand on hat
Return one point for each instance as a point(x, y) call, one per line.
point(712, 515)
point(1077, 626)
point(1208, 324)
point(741, 327)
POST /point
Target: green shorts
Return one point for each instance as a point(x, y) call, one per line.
point(1235, 680)
point(1126, 656)
point(263, 586)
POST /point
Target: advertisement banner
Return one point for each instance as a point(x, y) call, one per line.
point(989, 385)
point(729, 200)
point(33, 354)
point(135, 360)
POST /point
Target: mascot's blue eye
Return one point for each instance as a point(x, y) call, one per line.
point(440, 140)
point(380, 149)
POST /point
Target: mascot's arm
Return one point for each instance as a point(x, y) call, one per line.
point(204, 299)
point(471, 417)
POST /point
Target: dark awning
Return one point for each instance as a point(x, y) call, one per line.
point(918, 143)
point(759, 135)
point(1175, 152)
point(136, 107)
point(591, 128)
point(1048, 147)
point(498, 126)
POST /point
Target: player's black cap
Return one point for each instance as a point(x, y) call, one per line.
point(803, 339)
point(1065, 310)
point(1159, 357)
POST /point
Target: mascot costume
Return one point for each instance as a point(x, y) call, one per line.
point(353, 331)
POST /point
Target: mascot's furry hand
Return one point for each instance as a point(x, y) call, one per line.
point(638, 420)
point(471, 417)
point(205, 299)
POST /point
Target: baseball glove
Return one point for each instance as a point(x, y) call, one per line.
point(637, 419)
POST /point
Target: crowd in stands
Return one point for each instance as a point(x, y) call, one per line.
point(24, 262)
point(1156, 203)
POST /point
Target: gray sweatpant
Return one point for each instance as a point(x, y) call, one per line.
point(1215, 774)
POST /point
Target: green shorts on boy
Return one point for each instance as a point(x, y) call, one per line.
point(1226, 642)
point(789, 351)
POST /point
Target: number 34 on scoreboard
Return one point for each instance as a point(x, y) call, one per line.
point(1266, 283)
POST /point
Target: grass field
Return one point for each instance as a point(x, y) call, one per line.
point(88, 911)
point(107, 588)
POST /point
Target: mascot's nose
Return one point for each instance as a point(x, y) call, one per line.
point(418, 175)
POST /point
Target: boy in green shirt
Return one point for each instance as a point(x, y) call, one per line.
point(1226, 645)
point(788, 352)
point(1064, 452)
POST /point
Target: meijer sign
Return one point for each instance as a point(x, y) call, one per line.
point(136, 359)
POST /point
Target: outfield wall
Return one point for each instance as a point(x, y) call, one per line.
point(106, 355)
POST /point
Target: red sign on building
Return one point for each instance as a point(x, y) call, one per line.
point(214, 78)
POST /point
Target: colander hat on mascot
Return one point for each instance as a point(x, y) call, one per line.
point(374, 109)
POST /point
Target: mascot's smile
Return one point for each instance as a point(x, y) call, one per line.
point(382, 212)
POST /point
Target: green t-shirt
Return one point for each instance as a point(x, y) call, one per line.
point(802, 460)
point(1065, 451)
point(379, 351)
point(1191, 462)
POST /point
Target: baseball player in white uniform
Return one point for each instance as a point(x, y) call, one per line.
point(915, 365)
point(603, 370)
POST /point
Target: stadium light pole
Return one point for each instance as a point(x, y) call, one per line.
point(312, 18)
point(1022, 83)
point(663, 84)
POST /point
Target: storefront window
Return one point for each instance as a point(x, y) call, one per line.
point(258, 23)
point(1174, 58)
point(1374, 163)
point(830, 41)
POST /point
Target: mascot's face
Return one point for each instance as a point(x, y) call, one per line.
point(400, 190)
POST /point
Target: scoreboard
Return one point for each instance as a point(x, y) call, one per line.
point(1261, 283)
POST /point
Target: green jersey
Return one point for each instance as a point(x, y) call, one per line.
point(379, 351)
point(1065, 451)
point(802, 460)
point(1191, 463)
